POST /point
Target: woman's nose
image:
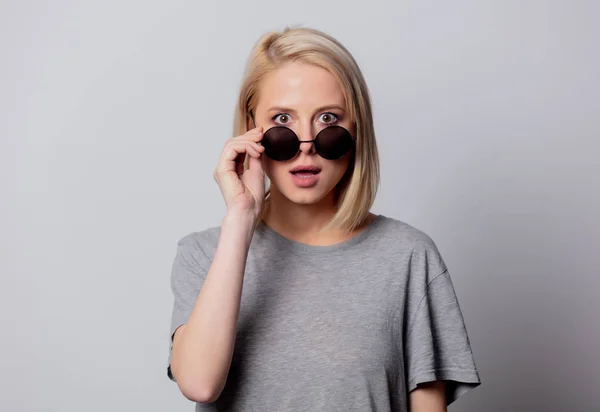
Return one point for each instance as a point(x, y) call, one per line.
point(307, 145)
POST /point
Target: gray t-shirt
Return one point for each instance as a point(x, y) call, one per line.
point(349, 327)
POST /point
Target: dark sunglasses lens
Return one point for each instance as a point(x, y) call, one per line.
point(333, 142)
point(280, 143)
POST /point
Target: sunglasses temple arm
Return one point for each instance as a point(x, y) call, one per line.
point(252, 117)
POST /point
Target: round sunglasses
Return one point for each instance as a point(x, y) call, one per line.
point(331, 143)
point(282, 143)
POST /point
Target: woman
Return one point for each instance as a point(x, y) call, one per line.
point(303, 300)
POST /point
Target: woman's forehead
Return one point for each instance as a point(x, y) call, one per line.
point(300, 86)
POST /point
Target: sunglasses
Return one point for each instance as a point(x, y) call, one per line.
point(282, 143)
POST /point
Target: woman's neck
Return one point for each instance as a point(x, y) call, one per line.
point(302, 222)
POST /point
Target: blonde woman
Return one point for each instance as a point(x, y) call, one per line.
point(302, 299)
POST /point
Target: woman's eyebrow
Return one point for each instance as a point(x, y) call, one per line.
point(320, 109)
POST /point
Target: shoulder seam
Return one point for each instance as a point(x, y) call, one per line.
point(195, 246)
point(411, 323)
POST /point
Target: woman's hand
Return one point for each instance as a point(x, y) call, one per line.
point(243, 190)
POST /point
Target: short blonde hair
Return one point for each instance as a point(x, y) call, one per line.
point(356, 191)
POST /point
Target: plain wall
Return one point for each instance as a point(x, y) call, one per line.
point(113, 114)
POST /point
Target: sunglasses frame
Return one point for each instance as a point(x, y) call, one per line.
point(307, 141)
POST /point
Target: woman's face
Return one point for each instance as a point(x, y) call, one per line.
point(306, 99)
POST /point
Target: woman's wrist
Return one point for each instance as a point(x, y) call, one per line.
point(239, 223)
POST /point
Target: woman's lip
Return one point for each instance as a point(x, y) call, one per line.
point(305, 169)
point(305, 182)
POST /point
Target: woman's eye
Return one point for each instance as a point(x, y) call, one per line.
point(328, 118)
point(282, 118)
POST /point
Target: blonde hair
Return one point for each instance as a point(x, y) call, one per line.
point(357, 189)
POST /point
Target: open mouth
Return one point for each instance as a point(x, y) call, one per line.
point(305, 176)
point(305, 173)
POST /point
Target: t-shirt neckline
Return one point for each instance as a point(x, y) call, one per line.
point(298, 246)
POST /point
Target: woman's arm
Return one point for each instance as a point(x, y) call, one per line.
point(428, 397)
point(203, 347)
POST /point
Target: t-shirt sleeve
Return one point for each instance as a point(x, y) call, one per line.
point(437, 346)
point(187, 276)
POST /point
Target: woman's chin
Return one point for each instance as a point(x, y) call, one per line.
point(304, 196)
